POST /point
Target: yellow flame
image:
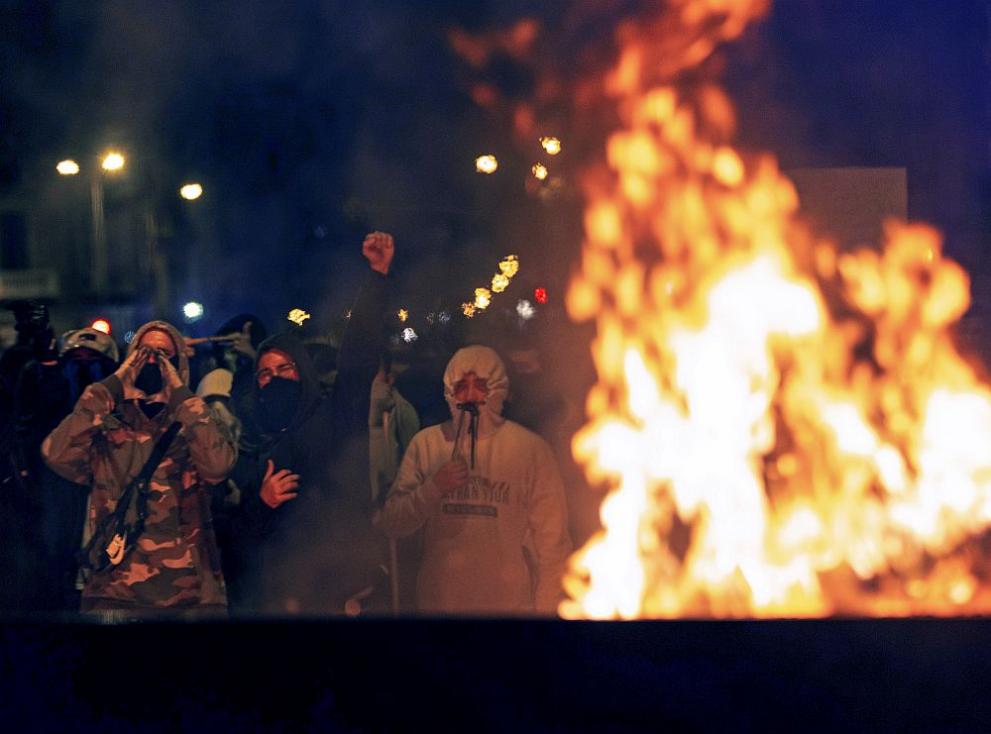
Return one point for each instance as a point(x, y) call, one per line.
point(785, 430)
point(486, 164)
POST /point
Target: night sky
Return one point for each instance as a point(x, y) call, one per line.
point(312, 122)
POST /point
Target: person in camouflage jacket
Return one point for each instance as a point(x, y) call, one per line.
point(175, 565)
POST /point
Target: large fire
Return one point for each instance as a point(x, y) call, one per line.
point(787, 429)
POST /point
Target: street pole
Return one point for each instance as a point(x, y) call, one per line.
point(98, 252)
point(159, 266)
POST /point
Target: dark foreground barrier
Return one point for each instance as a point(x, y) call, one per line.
point(831, 675)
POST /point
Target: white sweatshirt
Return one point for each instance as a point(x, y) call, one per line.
point(500, 544)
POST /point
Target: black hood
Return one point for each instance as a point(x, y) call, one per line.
point(308, 377)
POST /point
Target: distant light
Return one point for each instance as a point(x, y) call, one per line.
point(483, 297)
point(468, 309)
point(409, 336)
point(551, 145)
point(68, 167)
point(486, 164)
point(539, 171)
point(113, 161)
point(101, 325)
point(431, 317)
point(540, 295)
point(298, 316)
point(191, 191)
point(499, 283)
point(525, 309)
point(510, 265)
point(403, 315)
point(129, 337)
point(444, 317)
point(192, 311)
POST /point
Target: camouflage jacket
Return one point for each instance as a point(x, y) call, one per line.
point(104, 443)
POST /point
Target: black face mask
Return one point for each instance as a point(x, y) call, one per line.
point(149, 379)
point(278, 402)
point(81, 373)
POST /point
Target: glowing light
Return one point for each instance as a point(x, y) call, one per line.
point(539, 171)
point(525, 309)
point(409, 335)
point(191, 191)
point(486, 164)
point(444, 317)
point(112, 161)
point(499, 283)
point(551, 145)
point(403, 315)
point(192, 311)
point(483, 297)
point(68, 167)
point(510, 265)
point(129, 337)
point(468, 309)
point(298, 316)
point(101, 325)
point(540, 295)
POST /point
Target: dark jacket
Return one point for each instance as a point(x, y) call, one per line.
point(315, 551)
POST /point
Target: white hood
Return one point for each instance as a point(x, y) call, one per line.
point(486, 363)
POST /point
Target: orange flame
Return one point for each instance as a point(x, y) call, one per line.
point(786, 430)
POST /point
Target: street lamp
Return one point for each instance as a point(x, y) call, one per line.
point(68, 167)
point(191, 191)
point(112, 161)
point(192, 311)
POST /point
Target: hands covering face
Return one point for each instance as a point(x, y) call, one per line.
point(131, 367)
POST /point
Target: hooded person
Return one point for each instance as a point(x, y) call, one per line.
point(174, 566)
point(489, 498)
point(303, 533)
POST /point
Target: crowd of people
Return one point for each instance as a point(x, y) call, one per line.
point(292, 478)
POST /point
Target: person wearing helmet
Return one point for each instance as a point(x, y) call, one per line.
point(490, 500)
point(173, 569)
point(40, 547)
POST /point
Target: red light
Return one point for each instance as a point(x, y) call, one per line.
point(101, 325)
point(540, 295)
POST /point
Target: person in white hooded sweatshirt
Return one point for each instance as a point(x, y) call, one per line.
point(489, 497)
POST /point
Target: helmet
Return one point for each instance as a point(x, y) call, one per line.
point(91, 339)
